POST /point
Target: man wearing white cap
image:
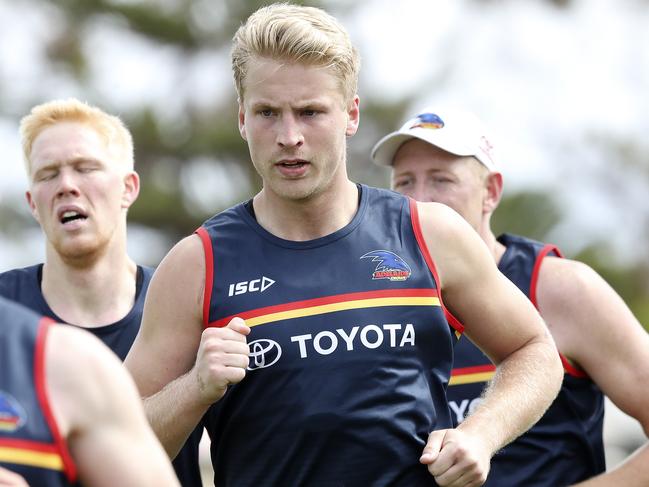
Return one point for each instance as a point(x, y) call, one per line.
point(446, 156)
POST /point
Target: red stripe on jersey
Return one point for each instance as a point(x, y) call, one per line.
point(43, 399)
point(337, 298)
point(416, 227)
point(209, 273)
point(473, 369)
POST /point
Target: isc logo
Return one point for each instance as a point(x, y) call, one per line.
point(243, 287)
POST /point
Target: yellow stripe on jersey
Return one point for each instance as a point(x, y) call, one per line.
point(471, 378)
point(32, 458)
point(343, 306)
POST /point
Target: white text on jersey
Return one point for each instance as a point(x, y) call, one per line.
point(369, 336)
point(243, 287)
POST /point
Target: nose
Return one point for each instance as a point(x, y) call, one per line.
point(67, 184)
point(419, 192)
point(288, 133)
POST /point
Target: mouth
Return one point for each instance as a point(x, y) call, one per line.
point(292, 163)
point(70, 216)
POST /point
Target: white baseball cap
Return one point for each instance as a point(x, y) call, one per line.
point(456, 131)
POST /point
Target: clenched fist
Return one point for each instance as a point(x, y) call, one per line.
point(222, 359)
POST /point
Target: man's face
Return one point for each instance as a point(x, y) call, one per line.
point(427, 173)
point(79, 192)
point(296, 121)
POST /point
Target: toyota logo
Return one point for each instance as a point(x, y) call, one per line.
point(263, 353)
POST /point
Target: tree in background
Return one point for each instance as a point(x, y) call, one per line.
point(188, 149)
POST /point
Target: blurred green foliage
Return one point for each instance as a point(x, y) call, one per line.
point(165, 151)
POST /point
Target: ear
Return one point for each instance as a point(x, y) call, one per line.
point(32, 206)
point(353, 116)
point(242, 120)
point(494, 186)
point(131, 189)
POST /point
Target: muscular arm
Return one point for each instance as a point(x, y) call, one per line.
point(597, 332)
point(500, 320)
point(178, 367)
point(99, 412)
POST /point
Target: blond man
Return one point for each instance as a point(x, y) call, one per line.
point(446, 155)
point(80, 166)
point(308, 323)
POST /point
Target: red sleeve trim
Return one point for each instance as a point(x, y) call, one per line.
point(546, 250)
point(416, 227)
point(209, 274)
point(571, 369)
point(69, 467)
point(537, 267)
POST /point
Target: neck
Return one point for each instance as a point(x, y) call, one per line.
point(315, 217)
point(91, 292)
point(495, 247)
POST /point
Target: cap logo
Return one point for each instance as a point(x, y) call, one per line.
point(428, 121)
point(487, 148)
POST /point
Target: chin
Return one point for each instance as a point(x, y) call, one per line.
point(295, 192)
point(78, 250)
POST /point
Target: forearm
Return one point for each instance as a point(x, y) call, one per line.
point(633, 472)
point(524, 385)
point(174, 412)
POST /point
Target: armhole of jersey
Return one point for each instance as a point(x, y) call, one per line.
point(69, 467)
point(416, 227)
point(209, 274)
point(547, 250)
point(571, 369)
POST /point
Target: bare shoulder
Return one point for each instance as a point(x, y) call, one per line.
point(183, 265)
point(437, 218)
point(177, 284)
point(563, 280)
point(82, 375)
point(585, 314)
point(456, 248)
point(172, 322)
point(569, 292)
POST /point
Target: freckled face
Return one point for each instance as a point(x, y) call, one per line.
point(78, 192)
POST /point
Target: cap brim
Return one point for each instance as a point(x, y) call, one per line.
point(385, 149)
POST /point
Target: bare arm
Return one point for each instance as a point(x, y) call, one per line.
point(99, 412)
point(500, 320)
point(597, 332)
point(11, 479)
point(178, 367)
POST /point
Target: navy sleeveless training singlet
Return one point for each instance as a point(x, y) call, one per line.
point(30, 443)
point(24, 286)
point(350, 348)
point(566, 445)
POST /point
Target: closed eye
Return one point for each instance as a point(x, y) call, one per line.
point(403, 183)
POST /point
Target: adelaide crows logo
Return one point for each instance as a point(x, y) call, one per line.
point(389, 265)
point(12, 415)
point(428, 121)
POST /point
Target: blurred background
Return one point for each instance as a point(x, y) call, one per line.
point(563, 85)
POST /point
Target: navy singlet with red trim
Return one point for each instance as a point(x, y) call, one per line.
point(566, 445)
point(30, 443)
point(350, 346)
point(24, 287)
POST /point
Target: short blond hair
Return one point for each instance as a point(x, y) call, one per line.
point(293, 33)
point(110, 127)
